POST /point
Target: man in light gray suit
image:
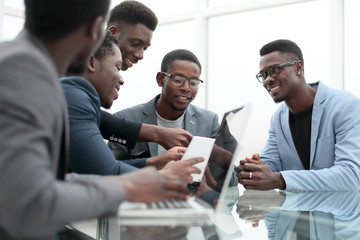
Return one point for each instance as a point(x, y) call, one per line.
point(179, 82)
point(36, 198)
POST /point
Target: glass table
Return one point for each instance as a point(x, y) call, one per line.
point(254, 215)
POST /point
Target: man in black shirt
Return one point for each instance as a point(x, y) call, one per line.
point(314, 137)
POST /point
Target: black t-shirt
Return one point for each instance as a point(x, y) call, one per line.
point(300, 126)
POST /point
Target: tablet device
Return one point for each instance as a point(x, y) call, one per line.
point(199, 147)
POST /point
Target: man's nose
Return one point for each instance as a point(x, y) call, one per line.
point(121, 80)
point(139, 54)
point(186, 85)
point(268, 79)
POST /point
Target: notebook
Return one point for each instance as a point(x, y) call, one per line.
point(212, 193)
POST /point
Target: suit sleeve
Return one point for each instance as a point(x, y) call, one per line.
point(119, 130)
point(33, 203)
point(89, 154)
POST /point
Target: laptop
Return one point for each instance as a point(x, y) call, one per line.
point(212, 193)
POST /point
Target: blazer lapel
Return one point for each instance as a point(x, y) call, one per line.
point(190, 121)
point(149, 117)
point(317, 113)
point(287, 133)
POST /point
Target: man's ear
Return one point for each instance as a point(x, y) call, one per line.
point(299, 67)
point(91, 64)
point(112, 29)
point(160, 79)
point(96, 28)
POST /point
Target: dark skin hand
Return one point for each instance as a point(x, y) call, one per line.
point(166, 137)
point(171, 137)
point(182, 169)
point(161, 160)
point(262, 177)
point(148, 185)
point(168, 163)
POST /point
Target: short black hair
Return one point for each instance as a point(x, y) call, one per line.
point(284, 46)
point(54, 19)
point(107, 47)
point(132, 12)
point(178, 54)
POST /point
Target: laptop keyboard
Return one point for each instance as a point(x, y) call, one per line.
point(169, 204)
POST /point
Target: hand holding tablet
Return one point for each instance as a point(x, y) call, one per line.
point(199, 147)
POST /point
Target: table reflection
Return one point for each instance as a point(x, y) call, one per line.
point(303, 215)
point(151, 229)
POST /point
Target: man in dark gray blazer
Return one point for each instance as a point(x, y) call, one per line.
point(179, 82)
point(36, 198)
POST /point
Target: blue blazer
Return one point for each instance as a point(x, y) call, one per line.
point(198, 121)
point(89, 154)
point(335, 144)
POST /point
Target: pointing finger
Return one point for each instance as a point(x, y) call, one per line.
point(196, 160)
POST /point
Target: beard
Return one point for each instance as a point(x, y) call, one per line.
point(106, 105)
point(278, 100)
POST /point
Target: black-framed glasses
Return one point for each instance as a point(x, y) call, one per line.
point(273, 70)
point(179, 80)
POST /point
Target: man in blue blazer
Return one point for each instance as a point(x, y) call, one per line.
point(314, 137)
point(99, 86)
point(179, 82)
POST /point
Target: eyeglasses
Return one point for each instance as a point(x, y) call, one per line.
point(194, 83)
point(273, 71)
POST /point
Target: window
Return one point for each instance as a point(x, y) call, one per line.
point(352, 48)
point(226, 36)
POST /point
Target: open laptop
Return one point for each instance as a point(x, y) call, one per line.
point(212, 194)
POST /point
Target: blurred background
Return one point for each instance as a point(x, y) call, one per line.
point(226, 35)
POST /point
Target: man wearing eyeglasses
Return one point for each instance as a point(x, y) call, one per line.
point(180, 81)
point(314, 137)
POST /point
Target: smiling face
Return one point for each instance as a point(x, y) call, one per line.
point(106, 78)
point(133, 41)
point(284, 86)
point(175, 99)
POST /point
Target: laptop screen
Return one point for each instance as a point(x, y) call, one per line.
point(225, 154)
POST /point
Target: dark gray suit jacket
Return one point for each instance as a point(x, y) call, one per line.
point(198, 121)
point(34, 202)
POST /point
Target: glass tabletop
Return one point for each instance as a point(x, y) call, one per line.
point(254, 215)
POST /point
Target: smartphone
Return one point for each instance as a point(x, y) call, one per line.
point(199, 147)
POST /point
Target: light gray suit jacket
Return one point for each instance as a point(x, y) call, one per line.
point(34, 202)
point(334, 144)
point(198, 121)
